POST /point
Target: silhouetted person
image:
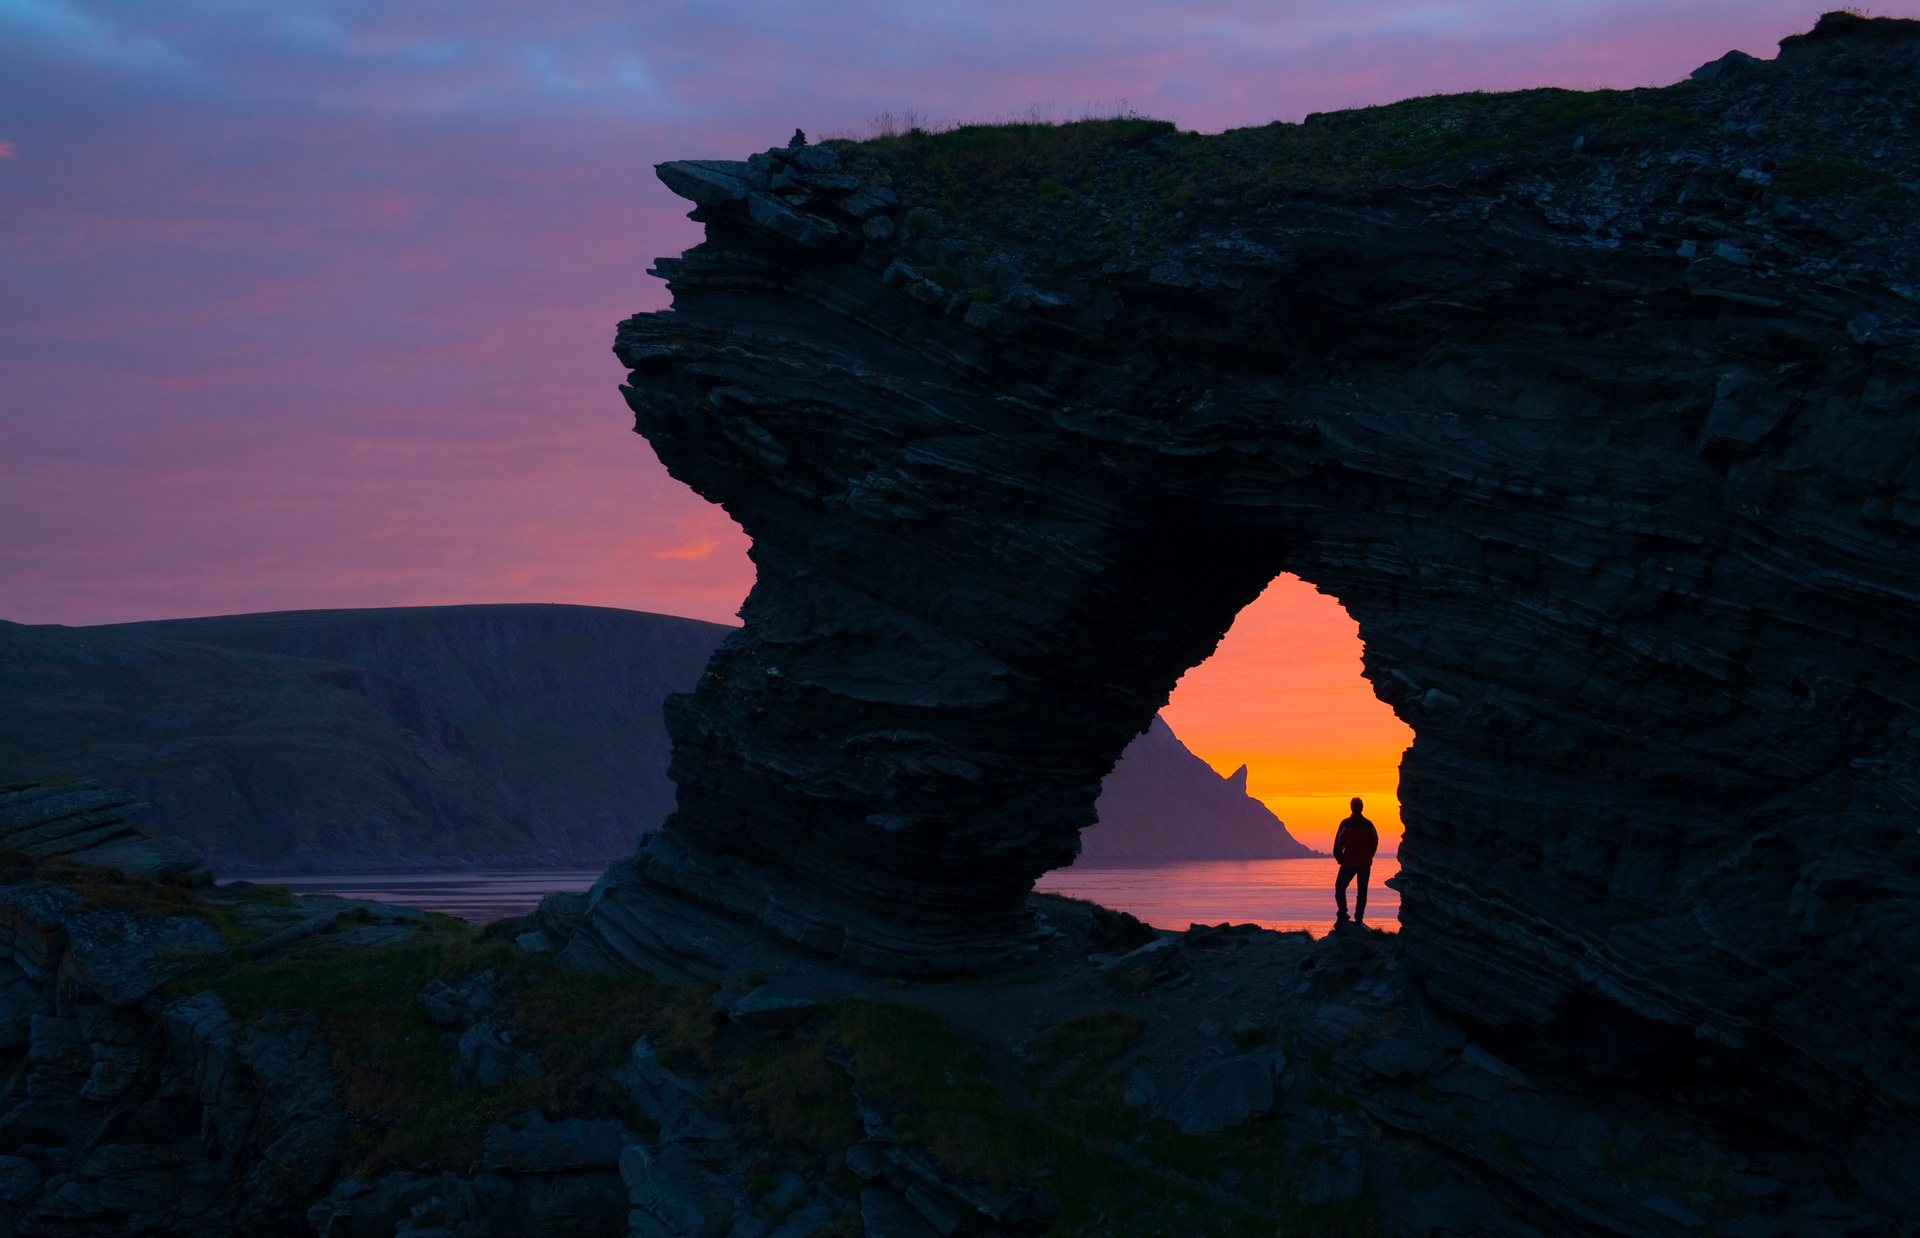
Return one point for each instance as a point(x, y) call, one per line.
point(1353, 845)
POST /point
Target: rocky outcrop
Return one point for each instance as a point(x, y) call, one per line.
point(1383, 1094)
point(592, 1176)
point(86, 823)
point(1161, 803)
point(535, 1177)
point(1232, 1079)
point(126, 1113)
point(1328, 1087)
point(349, 740)
point(1598, 413)
point(128, 1107)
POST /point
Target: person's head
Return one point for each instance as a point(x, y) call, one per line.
point(1357, 805)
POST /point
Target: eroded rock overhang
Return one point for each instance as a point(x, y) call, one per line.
point(1604, 430)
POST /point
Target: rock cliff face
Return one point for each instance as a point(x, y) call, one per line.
point(1598, 412)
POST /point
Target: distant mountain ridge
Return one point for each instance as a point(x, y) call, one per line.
point(409, 738)
point(337, 740)
point(1163, 804)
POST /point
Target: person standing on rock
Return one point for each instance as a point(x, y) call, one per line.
point(1353, 845)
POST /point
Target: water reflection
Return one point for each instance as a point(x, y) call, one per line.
point(473, 897)
point(1278, 894)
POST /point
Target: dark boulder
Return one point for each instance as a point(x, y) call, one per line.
point(1118, 930)
point(86, 823)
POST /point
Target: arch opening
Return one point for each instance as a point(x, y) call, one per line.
point(1284, 696)
point(1226, 808)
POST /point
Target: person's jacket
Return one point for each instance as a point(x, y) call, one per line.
point(1356, 841)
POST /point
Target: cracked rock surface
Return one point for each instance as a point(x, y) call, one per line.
point(125, 1109)
point(1598, 412)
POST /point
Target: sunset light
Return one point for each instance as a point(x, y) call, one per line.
point(615, 618)
point(1283, 696)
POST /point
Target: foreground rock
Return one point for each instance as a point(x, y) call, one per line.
point(1318, 1081)
point(126, 1112)
point(408, 1079)
point(86, 823)
point(1597, 412)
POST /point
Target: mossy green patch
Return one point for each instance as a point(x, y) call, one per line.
point(1092, 188)
point(109, 889)
point(1071, 1069)
point(788, 1095)
point(395, 1066)
point(1812, 176)
point(391, 1060)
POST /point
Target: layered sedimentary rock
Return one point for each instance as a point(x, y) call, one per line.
point(1598, 412)
point(86, 823)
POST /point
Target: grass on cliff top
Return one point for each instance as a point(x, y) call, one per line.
point(1020, 175)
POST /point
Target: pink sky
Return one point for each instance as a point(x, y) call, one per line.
point(311, 307)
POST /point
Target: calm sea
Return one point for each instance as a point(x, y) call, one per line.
point(475, 897)
point(1277, 894)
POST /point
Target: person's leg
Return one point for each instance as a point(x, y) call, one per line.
point(1340, 890)
point(1360, 891)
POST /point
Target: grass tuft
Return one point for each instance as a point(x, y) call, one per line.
point(1811, 176)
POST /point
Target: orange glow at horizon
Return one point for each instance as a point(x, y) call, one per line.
point(1283, 695)
point(693, 550)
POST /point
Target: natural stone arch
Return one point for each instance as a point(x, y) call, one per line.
point(1630, 542)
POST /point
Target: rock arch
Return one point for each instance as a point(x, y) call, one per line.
point(1630, 537)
